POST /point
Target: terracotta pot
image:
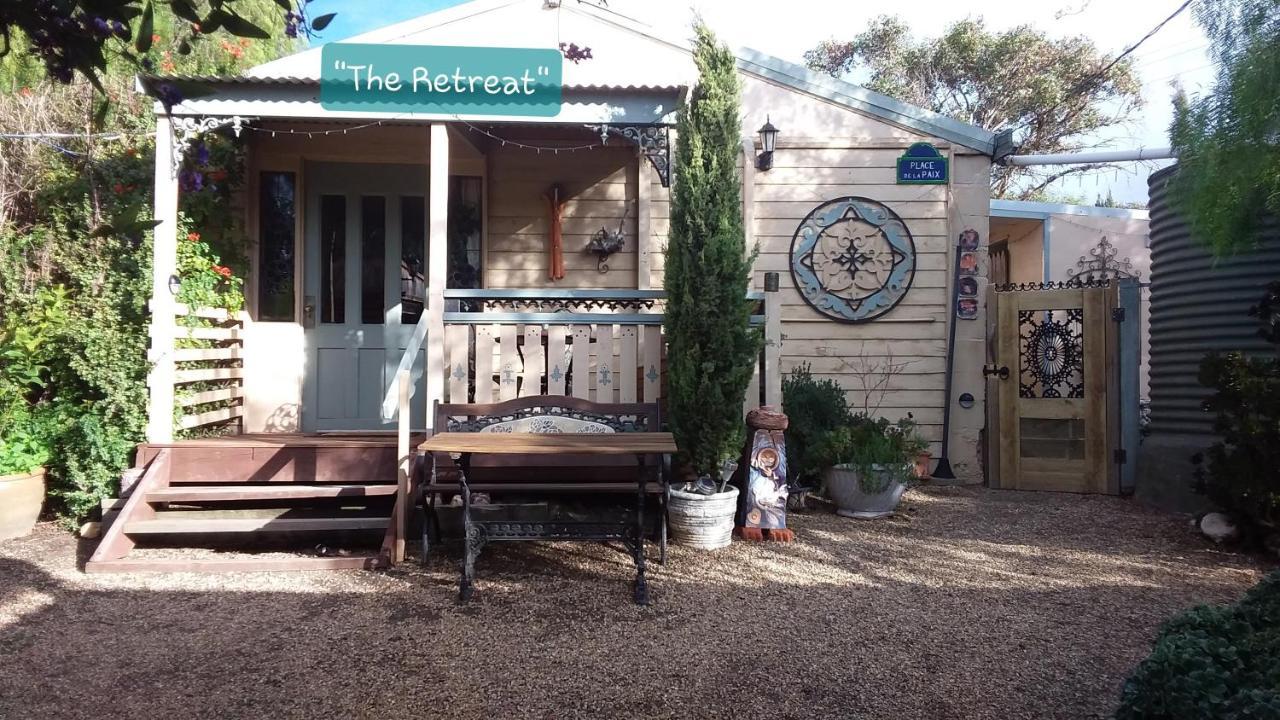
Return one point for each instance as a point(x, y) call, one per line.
point(21, 497)
point(881, 497)
point(921, 469)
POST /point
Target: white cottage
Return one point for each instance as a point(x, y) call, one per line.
point(390, 244)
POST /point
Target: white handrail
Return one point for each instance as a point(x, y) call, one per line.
point(391, 400)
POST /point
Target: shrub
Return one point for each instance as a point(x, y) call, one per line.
point(1241, 472)
point(812, 407)
point(1213, 663)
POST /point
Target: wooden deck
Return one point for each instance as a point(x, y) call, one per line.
point(298, 483)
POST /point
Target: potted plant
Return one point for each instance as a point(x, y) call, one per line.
point(24, 451)
point(712, 347)
point(26, 418)
point(813, 406)
point(869, 465)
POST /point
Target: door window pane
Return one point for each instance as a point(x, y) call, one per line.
point(373, 248)
point(276, 218)
point(413, 242)
point(333, 258)
point(465, 225)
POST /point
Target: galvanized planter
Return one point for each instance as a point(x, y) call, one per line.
point(844, 485)
point(21, 497)
point(702, 521)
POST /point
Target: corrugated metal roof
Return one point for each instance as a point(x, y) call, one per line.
point(312, 82)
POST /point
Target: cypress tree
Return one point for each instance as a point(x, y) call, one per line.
point(712, 348)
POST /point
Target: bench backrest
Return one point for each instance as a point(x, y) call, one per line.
point(549, 414)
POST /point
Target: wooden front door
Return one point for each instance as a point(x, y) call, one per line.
point(1054, 380)
point(365, 230)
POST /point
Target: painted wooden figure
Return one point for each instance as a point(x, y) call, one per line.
point(762, 478)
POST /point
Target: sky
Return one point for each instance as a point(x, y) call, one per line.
point(787, 28)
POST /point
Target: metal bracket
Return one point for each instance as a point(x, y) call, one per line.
point(1117, 314)
point(187, 129)
point(654, 142)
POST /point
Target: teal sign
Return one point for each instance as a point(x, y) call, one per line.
point(440, 79)
point(922, 164)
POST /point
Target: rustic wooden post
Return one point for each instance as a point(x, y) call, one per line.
point(164, 264)
point(644, 223)
point(437, 264)
point(403, 458)
point(772, 341)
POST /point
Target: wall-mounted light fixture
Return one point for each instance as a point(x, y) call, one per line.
point(768, 138)
point(175, 284)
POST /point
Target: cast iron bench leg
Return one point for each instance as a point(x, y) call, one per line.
point(642, 587)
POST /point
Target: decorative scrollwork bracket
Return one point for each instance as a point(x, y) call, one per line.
point(187, 129)
point(654, 142)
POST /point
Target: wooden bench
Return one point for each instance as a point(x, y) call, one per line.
point(547, 445)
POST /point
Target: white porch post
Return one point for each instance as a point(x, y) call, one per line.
point(164, 263)
point(437, 264)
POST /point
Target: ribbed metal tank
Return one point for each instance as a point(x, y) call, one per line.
point(1198, 304)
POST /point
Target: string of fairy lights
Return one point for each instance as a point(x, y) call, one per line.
point(47, 138)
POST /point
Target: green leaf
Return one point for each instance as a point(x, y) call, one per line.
point(146, 28)
point(322, 22)
point(240, 27)
point(185, 10)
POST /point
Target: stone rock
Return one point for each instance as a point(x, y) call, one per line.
point(1219, 528)
point(90, 530)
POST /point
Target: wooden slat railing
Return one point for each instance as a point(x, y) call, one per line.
point(209, 375)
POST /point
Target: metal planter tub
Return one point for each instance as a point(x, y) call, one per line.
point(877, 497)
point(702, 521)
point(21, 497)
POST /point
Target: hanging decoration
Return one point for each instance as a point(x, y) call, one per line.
point(606, 242)
point(853, 259)
point(555, 199)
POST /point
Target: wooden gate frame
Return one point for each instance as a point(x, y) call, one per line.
point(1111, 365)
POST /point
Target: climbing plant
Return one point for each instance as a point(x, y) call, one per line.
point(75, 201)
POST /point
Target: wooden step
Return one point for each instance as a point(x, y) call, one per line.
point(212, 493)
point(186, 524)
point(133, 565)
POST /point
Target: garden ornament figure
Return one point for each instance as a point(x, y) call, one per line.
point(762, 478)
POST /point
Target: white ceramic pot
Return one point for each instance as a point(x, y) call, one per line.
point(702, 521)
point(21, 497)
point(879, 497)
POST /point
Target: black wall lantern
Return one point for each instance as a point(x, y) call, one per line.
point(768, 138)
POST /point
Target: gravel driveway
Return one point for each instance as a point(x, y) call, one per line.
point(969, 604)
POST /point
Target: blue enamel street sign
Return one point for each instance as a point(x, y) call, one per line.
point(922, 164)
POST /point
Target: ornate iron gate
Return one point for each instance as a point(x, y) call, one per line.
point(1054, 387)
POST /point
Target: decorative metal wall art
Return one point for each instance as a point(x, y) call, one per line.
point(1051, 351)
point(852, 259)
point(606, 242)
point(1101, 264)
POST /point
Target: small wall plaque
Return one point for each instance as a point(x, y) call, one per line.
point(922, 164)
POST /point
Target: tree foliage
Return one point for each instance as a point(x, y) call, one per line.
point(712, 347)
point(1047, 90)
point(84, 37)
point(1228, 140)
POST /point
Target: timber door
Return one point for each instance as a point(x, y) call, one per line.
point(1054, 384)
point(365, 231)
